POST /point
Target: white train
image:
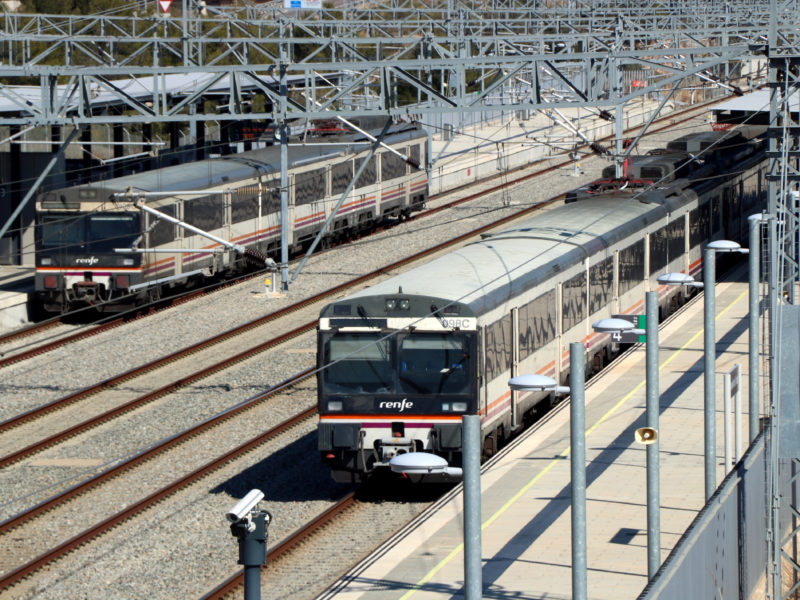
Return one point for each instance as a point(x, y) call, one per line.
point(79, 228)
point(402, 361)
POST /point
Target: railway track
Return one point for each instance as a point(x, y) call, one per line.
point(26, 517)
point(109, 523)
point(190, 351)
point(519, 176)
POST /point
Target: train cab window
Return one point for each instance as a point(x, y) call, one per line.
point(104, 232)
point(434, 363)
point(359, 363)
point(96, 232)
point(60, 232)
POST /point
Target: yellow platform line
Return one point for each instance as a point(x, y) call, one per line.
point(564, 454)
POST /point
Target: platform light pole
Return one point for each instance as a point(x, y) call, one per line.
point(426, 463)
point(709, 350)
point(577, 419)
point(649, 434)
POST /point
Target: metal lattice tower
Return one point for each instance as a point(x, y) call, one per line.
point(784, 176)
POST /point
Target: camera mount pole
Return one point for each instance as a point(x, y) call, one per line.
point(252, 536)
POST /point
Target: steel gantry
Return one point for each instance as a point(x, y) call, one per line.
point(440, 57)
point(783, 399)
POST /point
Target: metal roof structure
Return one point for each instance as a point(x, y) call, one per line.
point(757, 101)
point(449, 56)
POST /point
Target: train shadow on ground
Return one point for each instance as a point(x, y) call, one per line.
point(295, 473)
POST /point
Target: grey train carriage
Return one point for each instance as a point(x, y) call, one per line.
point(400, 362)
point(79, 228)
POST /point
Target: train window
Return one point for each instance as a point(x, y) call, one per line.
point(574, 301)
point(368, 175)
point(60, 232)
point(537, 323)
point(244, 204)
point(359, 363)
point(341, 176)
point(205, 212)
point(732, 211)
point(601, 279)
point(95, 232)
point(415, 152)
point(676, 236)
point(658, 249)
point(699, 222)
point(631, 266)
point(271, 198)
point(309, 186)
point(164, 231)
point(434, 363)
point(716, 214)
point(498, 347)
point(392, 166)
point(106, 231)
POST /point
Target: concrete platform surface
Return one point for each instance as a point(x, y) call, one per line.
point(526, 524)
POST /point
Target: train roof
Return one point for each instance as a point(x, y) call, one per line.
point(487, 273)
point(244, 165)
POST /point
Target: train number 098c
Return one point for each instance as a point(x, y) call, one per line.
point(457, 323)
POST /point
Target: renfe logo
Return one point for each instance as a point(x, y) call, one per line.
point(92, 260)
point(400, 405)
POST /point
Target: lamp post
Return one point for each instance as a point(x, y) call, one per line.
point(577, 418)
point(709, 350)
point(649, 435)
point(755, 222)
point(426, 463)
point(710, 355)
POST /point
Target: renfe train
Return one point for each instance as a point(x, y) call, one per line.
point(79, 228)
point(402, 361)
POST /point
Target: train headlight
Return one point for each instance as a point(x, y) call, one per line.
point(459, 406)
point(390, 304)
point(334, 405)
point(128, 262)
point(403, 303)
point(47, 261)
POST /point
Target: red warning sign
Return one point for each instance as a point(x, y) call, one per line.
point(165, 4)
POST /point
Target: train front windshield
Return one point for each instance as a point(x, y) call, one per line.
point(94, 232)
point(408, 363)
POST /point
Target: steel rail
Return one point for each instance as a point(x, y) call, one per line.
point(145, 455)
point(236, 581)
point(116, 380)
point(185, 298)
point(53, 554)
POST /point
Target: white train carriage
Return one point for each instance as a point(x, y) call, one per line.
point(402, 361)
point(235, 198)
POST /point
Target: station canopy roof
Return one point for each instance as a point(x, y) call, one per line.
point(757, 101)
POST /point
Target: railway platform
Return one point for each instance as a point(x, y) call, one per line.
point(16, 283)
point(526, 530)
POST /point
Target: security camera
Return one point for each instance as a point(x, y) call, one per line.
point(242, 508)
